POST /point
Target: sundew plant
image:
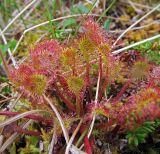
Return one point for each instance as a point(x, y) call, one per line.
point(80, 89)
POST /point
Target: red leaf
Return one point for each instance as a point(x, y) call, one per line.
point(33, 117)
point(25, 131)
point(87, 145)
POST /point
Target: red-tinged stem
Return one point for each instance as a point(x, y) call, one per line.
point(78, 105)
point(81, 97)
point(83, 132)
point(64, 85)
point(104, 85)
point(88, 83)
point(105, 126)
point(125, 86)
point(87, 145)
point(33, 117)
point(100, 67)
point(74, 67)
point(87, 74)
point(100, 72)
point(27, 132)
point(69, 104)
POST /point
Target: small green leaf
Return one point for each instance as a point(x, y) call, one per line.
point(148, 129)
point(135, 141)
point(4, 48)
point(68, 22)
point(12, 149)
point(141, 137)
point(107, 24)
point(6, 90)
point(130, 140)
point(83, 9)
point(34, 139)
point(149, 123)
point(12, 44)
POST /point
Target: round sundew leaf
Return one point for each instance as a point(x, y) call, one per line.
point(38, 85)
point(75, 84)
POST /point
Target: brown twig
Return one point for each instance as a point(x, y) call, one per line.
point(4, 62)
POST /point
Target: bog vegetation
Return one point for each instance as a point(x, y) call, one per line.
point(78, 92)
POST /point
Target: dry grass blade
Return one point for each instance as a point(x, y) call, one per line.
point(135, 44)
point(45, 23)
point(17, 16)
point(7, 99)
point(75, 150)
point(106, 10)
point(13, 137)
point(94, 116)
point(130, 27)
point(96, 101)
point(72, 137)
point(13, 103)
point(138, 4)
point(134, 7)
point(13, 119)
point(1, 140)
point(9, 51)
point(65, 133)
point(53, 140)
